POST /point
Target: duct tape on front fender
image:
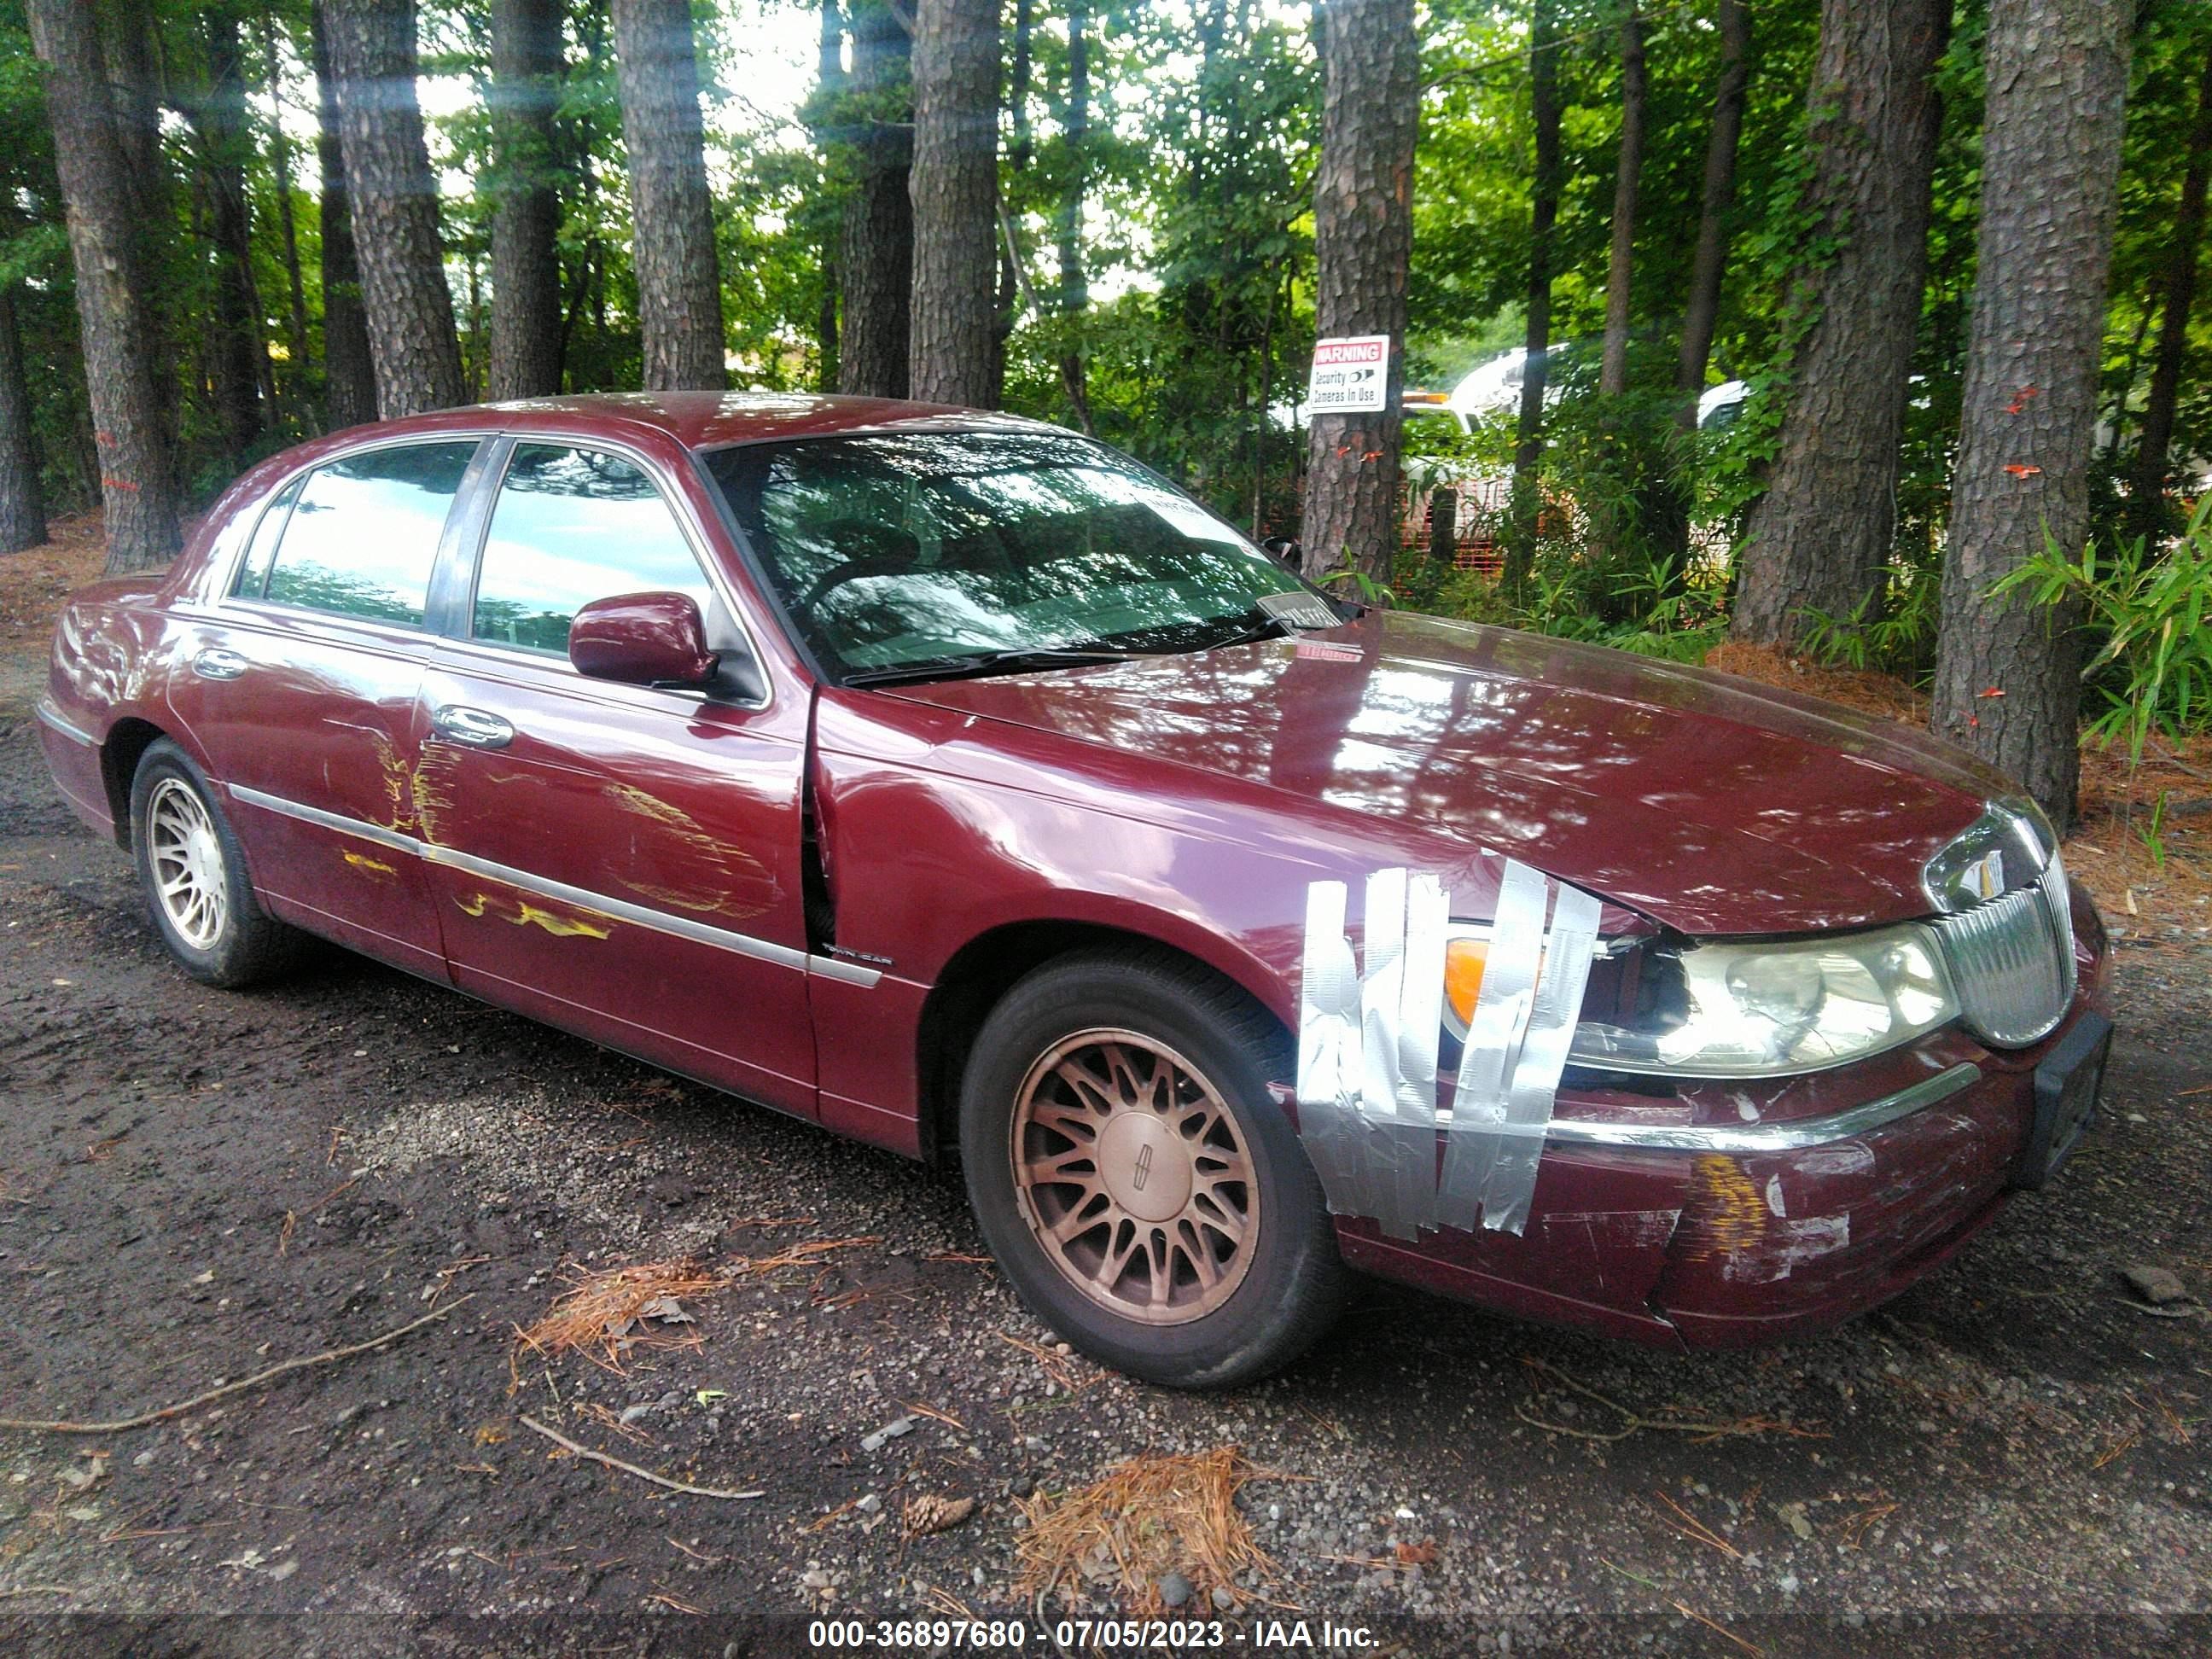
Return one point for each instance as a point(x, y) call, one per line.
point(1368, 1035)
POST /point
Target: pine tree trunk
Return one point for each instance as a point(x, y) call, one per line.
point(877, 268)
point(394, 199)
point(128, 37)
point(678, 281)
point(2057, 77)
point(1074, 288)
point(1363, 246)
point(349, 376)
point(830, 91)
point(237, 356)
point(525, 263)
point(1528, 504)
point(1709, 263)
point(2147, 494)
point(955, 201)
point(138, 484)
point(1018, 161)
point(22, 504)
point(1627, 179)
point(1819, 537)
point(280, 162)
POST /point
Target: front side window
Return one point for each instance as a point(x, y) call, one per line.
point(902, 548)
point(363, 536)
point(572, 525)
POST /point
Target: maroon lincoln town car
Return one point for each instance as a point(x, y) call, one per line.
point(955, 781)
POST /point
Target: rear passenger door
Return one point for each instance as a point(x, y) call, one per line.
point(621, 860)
point(300, 690)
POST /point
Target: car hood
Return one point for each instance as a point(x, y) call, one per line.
point(1706, 803)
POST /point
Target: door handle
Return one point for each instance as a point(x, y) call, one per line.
point(472, 728)
point(217, 664)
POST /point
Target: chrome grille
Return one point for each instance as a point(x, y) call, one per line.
point(2012, 959)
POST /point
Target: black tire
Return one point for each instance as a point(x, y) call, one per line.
point(244, 945)
point(1291, 1287)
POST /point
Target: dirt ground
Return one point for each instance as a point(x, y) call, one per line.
point(196, 1186)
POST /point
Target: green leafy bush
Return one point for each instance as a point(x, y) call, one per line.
point(2147, 606)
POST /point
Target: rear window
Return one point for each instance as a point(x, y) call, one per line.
point(362, 537)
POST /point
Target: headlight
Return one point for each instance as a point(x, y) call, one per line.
point(1760, 1008)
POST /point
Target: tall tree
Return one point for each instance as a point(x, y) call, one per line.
point(829, 95)
point(349, 376)
point(1363, 247)
point(679, 290)
point(1074, 287)
point(394, 199)
point(2007, 672)
point(955, 201)
point(129, 47)
point(525, 263)
point(280, 164)
point(1819, 537)
point(22, 505)
point(136, 477)
point(2184, 253)
point(876, 269)
point(1709, 262)
point(237, 355)
point(1018, 152)
point(1543, 224)
point(1628, 174)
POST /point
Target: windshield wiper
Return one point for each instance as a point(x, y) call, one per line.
point(1266, 628)
point(974, 664)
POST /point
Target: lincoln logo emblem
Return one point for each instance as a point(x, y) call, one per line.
point(1143, 1168)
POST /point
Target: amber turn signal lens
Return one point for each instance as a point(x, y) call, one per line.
point(1464, 961)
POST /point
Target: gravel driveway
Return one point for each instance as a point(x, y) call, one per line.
point(196, 1186)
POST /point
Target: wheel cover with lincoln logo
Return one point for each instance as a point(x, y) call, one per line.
point(1131, 1173)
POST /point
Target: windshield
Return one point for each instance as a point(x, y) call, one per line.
point(908, 548)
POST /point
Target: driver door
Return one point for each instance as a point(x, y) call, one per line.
point(621, 861)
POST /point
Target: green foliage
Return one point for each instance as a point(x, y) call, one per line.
point(1642, 605)
point(1900, 638)
point(2153, 834)
point(1378, 595)
point(2147, 606)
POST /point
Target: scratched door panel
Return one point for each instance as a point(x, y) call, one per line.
point(299, 687)
point(326, 723)
point(625, 865)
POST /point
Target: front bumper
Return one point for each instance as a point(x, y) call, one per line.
point(1727, 1217)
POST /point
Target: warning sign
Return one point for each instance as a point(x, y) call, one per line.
point(1351, 375)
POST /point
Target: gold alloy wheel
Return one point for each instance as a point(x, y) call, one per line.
point(1132, 1175)
point(187, 862)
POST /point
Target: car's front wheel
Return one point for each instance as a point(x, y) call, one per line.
point(193, 875)
point(1133, 1177)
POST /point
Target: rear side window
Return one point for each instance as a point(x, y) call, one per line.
point(253, 569)
point(363, 535)
point(572, 525)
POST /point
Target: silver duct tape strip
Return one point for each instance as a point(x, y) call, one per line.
point(1494, 1035)
point(1367, 1050)
point(1420, 1018)
point(1381, 990)
point(1329, 1058)
point(1400, 1007)
point(1567, 952)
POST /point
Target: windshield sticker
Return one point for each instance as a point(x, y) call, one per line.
point(1369, 1034)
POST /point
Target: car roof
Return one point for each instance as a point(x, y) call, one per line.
point(704, 420)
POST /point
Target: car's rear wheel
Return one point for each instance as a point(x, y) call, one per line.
point(1145, 1195)
point(193, 875)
